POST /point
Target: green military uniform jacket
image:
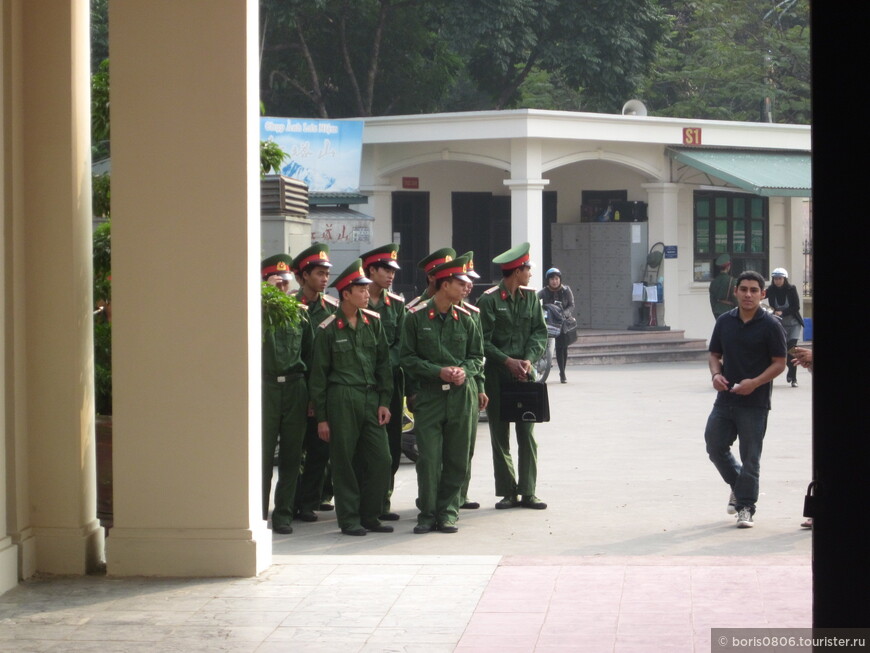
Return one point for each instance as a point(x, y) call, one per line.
point(392, 311)
point(722, 294)
point(513, 326)
point(474, 312)
point(422, 299)
point(352, 357)
point(318, 310)
point(289, 349)
point(430, 342)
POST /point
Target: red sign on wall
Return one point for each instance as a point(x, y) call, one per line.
point(691, 135)
point(410, 182)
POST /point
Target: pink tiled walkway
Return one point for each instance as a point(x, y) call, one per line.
point(640, 604)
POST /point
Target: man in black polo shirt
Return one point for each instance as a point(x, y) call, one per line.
point(747, 351)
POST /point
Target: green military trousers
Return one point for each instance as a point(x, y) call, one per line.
point(507, 483)
point(316, 480)
point(442, 426)
point(472, 439)
point(285, 406)
point(394, 431)
point(359, 454)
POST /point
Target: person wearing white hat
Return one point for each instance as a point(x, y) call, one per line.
point(783, 299)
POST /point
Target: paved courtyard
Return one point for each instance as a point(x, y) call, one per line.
point(634, 553)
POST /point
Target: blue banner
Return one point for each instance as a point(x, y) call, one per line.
point(325, 154)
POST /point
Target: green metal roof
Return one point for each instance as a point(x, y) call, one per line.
point(336, 199)
point(770, 174)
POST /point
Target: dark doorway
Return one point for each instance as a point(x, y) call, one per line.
point(482, 224)
point(411, 231)
point(548, 219)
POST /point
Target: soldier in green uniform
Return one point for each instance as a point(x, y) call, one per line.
point(380, 266)
point(482, 399)
point(311, 267)
point(426, 264)
point(722, 287)
point(514, 335)
point(351, 385)
point(442, 350)
point(286, 359)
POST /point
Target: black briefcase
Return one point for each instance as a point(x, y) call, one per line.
point(524, 401)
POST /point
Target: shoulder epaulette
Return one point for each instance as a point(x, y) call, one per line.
point(330, 299)
point(414, 302)
point(462, 309)
point(371, 313)
point(418, 307)
point(393, 295)
point(529, 288)
point(489, 291)
point(302, 306)
point(326, 322)
point(471, 307)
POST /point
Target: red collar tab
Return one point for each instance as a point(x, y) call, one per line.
point(340, 323)
point(431, 313)
point(504, 294)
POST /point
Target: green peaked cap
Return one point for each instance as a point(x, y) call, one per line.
point(514, 257)
point(436, 258)
point(317, 254)
point(352, 275)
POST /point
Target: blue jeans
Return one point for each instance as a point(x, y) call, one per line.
point(726, 424)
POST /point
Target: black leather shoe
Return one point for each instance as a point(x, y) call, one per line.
point(325, 507)
point(507, 502)
point(354, 531)
point(448, 528)
point(470, 505)
point(419, 529)
point(389, 516)
point(284, 529)
point(378, 528)
point(534, 503)
point(306, 515)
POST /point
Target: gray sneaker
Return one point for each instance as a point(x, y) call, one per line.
point(744, 518)
point(732, 505)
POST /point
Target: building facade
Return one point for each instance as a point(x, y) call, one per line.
point(485, 180)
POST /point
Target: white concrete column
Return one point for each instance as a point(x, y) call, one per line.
point(186, 298)
point(527, 186)
point(380, 207)
point(53, 474)
point(663, 215)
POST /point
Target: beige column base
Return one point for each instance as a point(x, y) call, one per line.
point(69, 550)
point(189, 552)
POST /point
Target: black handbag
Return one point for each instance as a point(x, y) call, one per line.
point(569, 328)
point(524, 401)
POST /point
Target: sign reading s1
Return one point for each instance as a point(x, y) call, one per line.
point(691, 135)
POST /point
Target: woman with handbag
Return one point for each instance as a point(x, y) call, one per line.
point(558, 294)
point(783, 299)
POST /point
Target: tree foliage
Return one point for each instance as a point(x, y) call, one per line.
point(596, 51)
point(340, 58)
point(722, 60)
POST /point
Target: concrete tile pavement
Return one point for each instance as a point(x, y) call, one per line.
point(635, 552)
